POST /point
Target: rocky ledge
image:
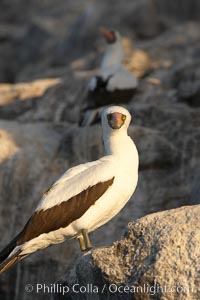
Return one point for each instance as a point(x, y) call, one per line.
point(158, 258)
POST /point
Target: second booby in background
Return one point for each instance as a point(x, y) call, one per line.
point(113, 83)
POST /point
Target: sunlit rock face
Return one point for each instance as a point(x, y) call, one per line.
point(39, 133)
point(157, 257)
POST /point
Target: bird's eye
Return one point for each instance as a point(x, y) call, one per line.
point(109, 117)
point(123, 117)
point(113, 34)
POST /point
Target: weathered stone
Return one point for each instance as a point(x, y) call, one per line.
point(157, 257)
point(16, 99)
point(60, 103)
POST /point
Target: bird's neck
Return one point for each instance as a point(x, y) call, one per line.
point(113, 56)
point(121, 145)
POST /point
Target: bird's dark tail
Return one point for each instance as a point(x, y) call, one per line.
point(10, 261)
point(7, 261)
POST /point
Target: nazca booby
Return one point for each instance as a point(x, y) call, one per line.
point(85, 197)
point(113, 83)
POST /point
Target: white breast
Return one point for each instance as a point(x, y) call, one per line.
point(125, 182)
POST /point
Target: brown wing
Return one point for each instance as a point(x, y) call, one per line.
point(63, 214)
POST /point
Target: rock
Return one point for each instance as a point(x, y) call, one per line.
point(28, 39)
point(7, 61)
point(157, 257)
point(60, 103)
point(22, 183)
point(10, 92)
point(154, 149)
point(187, 79)
point(195, 190)
point(190, 92)
point(136, 61)
point(183, 10)
point(16, 99)
point(146, 22)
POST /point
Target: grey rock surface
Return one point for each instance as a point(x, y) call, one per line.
point(157, 258)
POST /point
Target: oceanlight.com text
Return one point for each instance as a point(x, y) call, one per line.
point(58, 288)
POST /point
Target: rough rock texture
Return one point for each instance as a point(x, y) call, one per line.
point(16, 99)
point(158, 258)
point(39, 133)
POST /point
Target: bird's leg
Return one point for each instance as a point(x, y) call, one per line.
point(84, 241)
point(81, 242)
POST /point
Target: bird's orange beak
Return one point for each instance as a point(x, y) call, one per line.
point(108, 35)
point(116, 120)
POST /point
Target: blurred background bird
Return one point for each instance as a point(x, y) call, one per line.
point(113, 83)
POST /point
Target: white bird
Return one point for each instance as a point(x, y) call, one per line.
point(113, 83)
point(85, 197)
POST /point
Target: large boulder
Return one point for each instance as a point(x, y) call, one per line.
point(158, 258)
